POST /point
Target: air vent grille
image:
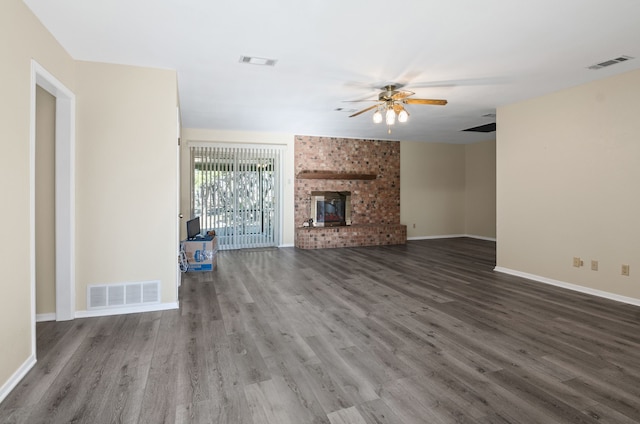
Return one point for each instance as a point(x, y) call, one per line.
point(250, 60)
point(609, 62)
point(123, 295)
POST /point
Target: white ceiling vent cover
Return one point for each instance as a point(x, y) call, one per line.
point(609, 62)
point(263, 61)
point(123, 295)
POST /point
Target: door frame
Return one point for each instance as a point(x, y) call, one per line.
point(65, 135)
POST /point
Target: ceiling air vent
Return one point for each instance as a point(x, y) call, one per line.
point(250, 60)
point(487, 128)
point(609, 62)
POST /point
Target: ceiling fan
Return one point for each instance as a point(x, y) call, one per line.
point(391, 101)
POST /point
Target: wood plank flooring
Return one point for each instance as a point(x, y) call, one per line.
point(422, 333)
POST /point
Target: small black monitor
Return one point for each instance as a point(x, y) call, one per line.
point(193, 228)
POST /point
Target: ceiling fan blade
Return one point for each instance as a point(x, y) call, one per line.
point(363, 111)
point(402, 95)
point(424, 102)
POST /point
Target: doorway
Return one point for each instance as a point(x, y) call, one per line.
point(64, 142)
point(45, 206)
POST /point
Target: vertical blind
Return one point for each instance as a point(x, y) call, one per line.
point(235, 191)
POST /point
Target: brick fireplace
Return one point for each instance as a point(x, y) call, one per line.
point(367, 169)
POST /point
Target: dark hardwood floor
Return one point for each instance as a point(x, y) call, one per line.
point(422, 333)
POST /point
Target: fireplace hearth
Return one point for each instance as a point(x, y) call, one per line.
point(331, 208)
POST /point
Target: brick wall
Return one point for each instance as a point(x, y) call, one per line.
point(375, 204)
point(372, 201)
point(350, 236)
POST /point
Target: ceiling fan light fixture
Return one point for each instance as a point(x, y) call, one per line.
point(403, 116)
point(390, 105)
point(390, 117)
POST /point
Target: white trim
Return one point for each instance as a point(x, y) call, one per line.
point(17, 376)
point(569, 286)
point(195, 143)
point(481, 237)
point(178, 188)
point(446, 236)
point(32, 207)
point(287, 245)
point(281, 159)
point(46, 317)
point(128, 310)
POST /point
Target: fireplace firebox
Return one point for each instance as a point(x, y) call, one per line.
point(331, 208)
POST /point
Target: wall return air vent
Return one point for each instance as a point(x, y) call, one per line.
point(123, 295)
point(609, 62)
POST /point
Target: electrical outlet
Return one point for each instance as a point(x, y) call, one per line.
point(414, 225)
point(594, 265)
point(577, 262)
point(625, 270)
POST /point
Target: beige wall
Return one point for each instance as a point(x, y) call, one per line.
point(448, 189)
point(45, 203)
point(24, 38)
point(191, 135)
point(126, 188)
point(568, 166)
point(480, 189)
point(432, 188)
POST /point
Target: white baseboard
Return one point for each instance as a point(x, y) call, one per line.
point(569, 286)
point(287, 245)
point(46, 317)
point(127, 310)
point(446, 236)
point(17, 377)
point(480, 237)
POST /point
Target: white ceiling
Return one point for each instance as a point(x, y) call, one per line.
point(476, 54)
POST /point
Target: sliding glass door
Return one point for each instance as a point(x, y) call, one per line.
point(235, 191)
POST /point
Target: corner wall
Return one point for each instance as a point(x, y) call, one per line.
point(568, 164)
point(24, 39)
point(448, 190)
point(126, 188)
point(480, 189)
point(432, 189)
